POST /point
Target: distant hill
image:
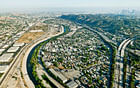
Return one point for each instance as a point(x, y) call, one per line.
point(108, 22)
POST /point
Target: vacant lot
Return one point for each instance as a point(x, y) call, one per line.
point(29, 37)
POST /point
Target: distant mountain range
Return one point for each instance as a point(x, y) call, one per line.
point(116, 24)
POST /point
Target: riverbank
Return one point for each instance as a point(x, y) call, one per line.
point(27, 78)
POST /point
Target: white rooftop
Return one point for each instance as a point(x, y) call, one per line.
point(5, 46)
point(48, 64)
point(1, 50)
point(12, 49)
point(20, 33)
point(36, 30)
point(3, 68)
point(18, 44)
point(59, 75)
point(6, 57)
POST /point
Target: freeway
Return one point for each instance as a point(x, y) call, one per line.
point(137, 52)
point(107, 41)
point(101, 34)
point(118, 82)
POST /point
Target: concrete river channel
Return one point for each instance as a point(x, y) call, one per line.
point(29, 66)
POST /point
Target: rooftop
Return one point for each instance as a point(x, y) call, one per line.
point(3, 68)
point(18, 44)
point(5, 46)
point(72, 84)
point(13, 49)
point(64, 79)
point(1, 50)
point(6, 57)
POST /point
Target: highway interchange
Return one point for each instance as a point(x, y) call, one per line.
point(118, 82)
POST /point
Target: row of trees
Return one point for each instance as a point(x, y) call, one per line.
point(135, 65)
point(112, 67)
point(34, 63)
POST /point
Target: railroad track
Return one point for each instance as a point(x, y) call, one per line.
point(11, 69)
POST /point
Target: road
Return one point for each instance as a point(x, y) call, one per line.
point(106, 39)
point(22, 57)
point(136, 52)
point(14, 64)
point(11, 69)
point(24, 64)
point(118, 81)
point(101, 34)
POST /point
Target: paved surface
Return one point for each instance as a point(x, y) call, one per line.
point(18, 59)
point(24, 64)
point(137, 52)
point(118, 81)
point(13, 66)
point(128, 75)
point(101, 34)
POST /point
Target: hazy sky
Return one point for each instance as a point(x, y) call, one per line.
point(67, 3)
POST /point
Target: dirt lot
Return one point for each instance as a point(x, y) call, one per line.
point(28, 37)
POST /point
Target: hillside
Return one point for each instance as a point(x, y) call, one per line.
point(116, 24)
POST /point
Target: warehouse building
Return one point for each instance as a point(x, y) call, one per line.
point(3, 68)
point(59, 75)
point(6, 58)
point(1, 51)
point(72, 84)
point(5, 46)
point(18, 44)
point(12, 49)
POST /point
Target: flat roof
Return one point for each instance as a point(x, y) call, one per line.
point(1, 50)
point(5, 46)
point(6, 57)
point(13, 49)
point(72, 84)
point(18, 44)
point(36, 30)
point(59, 75)
point(3, 68)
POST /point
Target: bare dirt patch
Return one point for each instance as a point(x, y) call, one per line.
point(29, 37)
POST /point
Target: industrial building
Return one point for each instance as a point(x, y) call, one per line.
point(1, 51)
point(12, 49)
point(18, 44)
point(6, 58)
point(3, 68)
point(5, 46)
point(72, 84)
point(59, 75)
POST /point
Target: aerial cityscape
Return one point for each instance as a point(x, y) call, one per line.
point(70, 44)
